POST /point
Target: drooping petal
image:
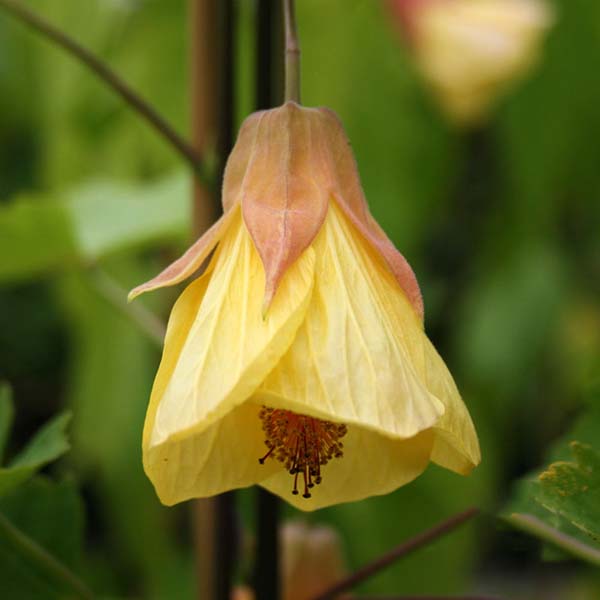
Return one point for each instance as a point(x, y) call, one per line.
point(349, 194)
point(218, 347)
point(187, 264)
point(456, 446)
point(215, 460)
point(223, 457)
point(358, 357)
point(284, 192)
point(372, 465)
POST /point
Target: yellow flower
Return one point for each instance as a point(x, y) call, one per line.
point(302, 344)
point(471, 50)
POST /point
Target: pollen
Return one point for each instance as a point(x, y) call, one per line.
point(303, 444)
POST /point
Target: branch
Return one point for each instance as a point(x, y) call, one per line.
point(94, 64)
point(400, 551)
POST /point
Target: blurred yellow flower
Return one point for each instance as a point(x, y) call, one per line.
point(470, 51)
point(302, 344)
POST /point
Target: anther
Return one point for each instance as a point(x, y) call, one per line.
point(302, 444)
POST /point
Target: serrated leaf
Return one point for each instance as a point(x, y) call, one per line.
point(572, 489)
point(561, 504)
point(48, 444)
point(6, 415)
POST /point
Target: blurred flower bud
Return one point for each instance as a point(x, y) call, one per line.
point(469, 51)
point(242, 592)
point(312, 560)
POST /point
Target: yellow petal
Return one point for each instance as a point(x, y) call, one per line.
point(223, 457)
point(372, 465)
point(456, 446)
point(358, 357)
point(219, 348)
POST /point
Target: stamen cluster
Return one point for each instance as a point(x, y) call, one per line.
point(303, 444)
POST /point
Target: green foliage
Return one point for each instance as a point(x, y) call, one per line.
point(41, 522)
point(46, 519)
point(571, 490)
point(561, 504)
point(7, 411)
point(89, 222)
point(48, 444)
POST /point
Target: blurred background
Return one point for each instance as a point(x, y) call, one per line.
point(500, 221)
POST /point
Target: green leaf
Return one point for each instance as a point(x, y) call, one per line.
point(572, 489)
point(561, 504)
point(47, 445)
point(6, 415)
point(35, 235)
point(41, 538)
point(89, 222)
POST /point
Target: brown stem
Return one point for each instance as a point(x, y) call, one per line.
point(92, 62)
point(211, 61)
point(292, 53)
point(400, 551)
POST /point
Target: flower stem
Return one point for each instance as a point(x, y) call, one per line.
point(266, 575)
point(292, 53)
point(109, 77)
point(421, 539)
point(44, 560)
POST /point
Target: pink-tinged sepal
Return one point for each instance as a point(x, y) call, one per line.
point(187, 264)
point(284, 191)
point(349, 194)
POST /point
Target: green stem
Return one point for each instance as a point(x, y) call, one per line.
point(538, 528)
point(94, 64)
point(292, 53)
point(38, 555)
point(115, 295)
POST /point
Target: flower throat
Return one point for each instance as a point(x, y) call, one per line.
point(303, 444)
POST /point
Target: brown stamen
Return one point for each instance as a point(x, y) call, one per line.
point(302, 444)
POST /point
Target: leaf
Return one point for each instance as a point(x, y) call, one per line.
point(37, 236)
point(89, 222)
point(6, 415)
point(49, 515)
point(47, 445)
point(561, 504)
point(572, 489)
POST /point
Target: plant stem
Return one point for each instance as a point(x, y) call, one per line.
point(211, 61)
point(112, 292)
point(292, 53)
point(400, 551)
point(118, 85)
point(266, 575)
point(531, 524)
point(41, 557)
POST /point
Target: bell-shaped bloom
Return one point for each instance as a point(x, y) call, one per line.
point(302, 343)
point(470, 51)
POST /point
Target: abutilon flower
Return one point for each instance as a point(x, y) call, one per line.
point(470, 51)
point(298, 359)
